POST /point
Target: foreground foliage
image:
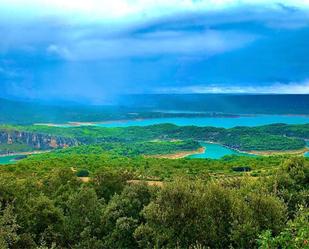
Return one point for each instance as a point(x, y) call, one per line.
point(53, 208)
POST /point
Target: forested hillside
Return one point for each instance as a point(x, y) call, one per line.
point(68, 200)
point(278, 137)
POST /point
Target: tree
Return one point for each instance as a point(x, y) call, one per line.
point(82, 173)
point(294, 236)
point(8, 228)
point(42, 220)
point(291, 183)
point(184, 213)
point(108, 182)
point(82, 218)
point(122, 216)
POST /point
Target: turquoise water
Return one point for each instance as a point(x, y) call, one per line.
point(216, 122)
point(217, 151)
point(7, 159)
point(307, 153)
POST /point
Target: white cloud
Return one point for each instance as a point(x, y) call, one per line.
point(127, 10)
point(276, 88)
point(59, 51)
point(208, 43)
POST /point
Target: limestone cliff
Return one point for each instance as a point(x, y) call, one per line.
point(35, 140)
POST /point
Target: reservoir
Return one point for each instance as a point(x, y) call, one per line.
point(217, 151)
point(7, 159)
point(223, 122)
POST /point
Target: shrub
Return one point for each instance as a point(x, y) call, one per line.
point(83, 173)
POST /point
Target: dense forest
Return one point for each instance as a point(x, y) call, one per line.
point(98, 189)
point(277, 137)
point(69, 199)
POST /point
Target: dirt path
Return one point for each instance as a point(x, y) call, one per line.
point(149, 183)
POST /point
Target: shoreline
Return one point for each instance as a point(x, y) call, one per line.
point(279, 152)
point(270, 152)
point(95, 123)
point(178, 155)
point(264, 152)
point(121, 121)
point(25, 153)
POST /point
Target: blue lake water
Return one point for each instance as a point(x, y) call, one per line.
point(217, 151)
point(216, 122)
point(214, 151)
point(7, 159)
point(307, 153)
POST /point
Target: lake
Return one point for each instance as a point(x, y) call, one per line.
point(255, 120)
point(213, 151)
point(7, 159)
point(307, 153)
point(217, 151)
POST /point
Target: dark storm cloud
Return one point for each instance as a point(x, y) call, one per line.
point(253, 47)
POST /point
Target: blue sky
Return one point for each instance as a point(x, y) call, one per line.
point(96, 49)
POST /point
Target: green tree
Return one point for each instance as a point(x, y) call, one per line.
point(82, 218)
point(8, 228)
point(109, 182)
point(184, 213)
point(294, 236)
point(42, 220)
point(122, 216)
point(291, 183)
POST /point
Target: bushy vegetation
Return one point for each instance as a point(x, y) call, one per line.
point(82, 173)
point(54, 209)
point(295, 234)
point(278, 137)
point(134, 149)
point(9, 148)
point(107, 194)
point(145, 168)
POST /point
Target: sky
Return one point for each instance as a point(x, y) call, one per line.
point(94, 50)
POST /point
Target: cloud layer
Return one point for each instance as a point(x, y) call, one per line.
point(96, 49)
point(106, 10)
point(273, 88)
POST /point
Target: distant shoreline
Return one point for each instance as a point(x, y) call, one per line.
point(279, 152)
point(268, 152)
point(264, 152)
point(95, 123)
point(28, 153)
point(178, 155)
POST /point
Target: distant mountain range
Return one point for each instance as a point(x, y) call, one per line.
point(24, 112)
point(143, 106)
point(224, 103)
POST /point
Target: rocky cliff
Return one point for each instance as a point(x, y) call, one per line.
point(35, 140)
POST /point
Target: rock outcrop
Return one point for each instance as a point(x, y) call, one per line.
point(36, 140)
